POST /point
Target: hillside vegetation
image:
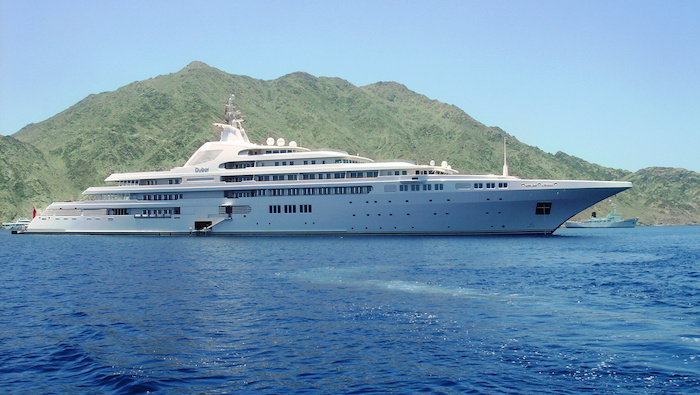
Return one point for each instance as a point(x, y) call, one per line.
point(158, 123)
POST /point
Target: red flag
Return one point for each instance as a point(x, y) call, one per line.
point(34, 213)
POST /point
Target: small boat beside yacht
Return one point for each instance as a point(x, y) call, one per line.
point(18, 226)
point(612, 220)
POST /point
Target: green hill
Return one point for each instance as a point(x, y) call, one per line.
point(25, 175)
point(158, 123)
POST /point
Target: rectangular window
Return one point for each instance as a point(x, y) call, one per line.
point(543, 208)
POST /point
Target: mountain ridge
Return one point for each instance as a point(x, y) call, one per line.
point(156, 124)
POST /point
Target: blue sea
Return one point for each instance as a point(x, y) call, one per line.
point(584, 310)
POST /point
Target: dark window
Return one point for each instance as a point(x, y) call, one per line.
point(543, 208)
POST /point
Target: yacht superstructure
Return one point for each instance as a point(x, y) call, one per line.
point(235, 187)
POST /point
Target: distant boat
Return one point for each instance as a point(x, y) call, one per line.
point(612, 220)
point(20, 225)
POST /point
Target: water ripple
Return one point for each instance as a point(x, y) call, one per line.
point(610, 312)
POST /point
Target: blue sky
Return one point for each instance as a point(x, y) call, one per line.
point(614, 82)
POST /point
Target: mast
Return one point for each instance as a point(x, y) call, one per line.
point(233, 128)
point(230, 112)
point(505, 163)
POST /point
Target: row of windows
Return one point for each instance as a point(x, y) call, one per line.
point(162, 196)
point(237, 178)
point(480, 185)
point(290, 208)
point(281, 151)
point(304, 176)
point(425, 187)
point(158, 213)
point(237, 165)
point(313, 162)
point(298, 191)
point(149, 182)
point(112, 196)
point(239, 209)
point(118, 211)
point(418, 172)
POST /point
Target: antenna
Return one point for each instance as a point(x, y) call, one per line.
point(505, 163)
point(229, 108)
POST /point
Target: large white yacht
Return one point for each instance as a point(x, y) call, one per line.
point(235, 187)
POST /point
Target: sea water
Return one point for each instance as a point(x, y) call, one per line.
point(584, 310)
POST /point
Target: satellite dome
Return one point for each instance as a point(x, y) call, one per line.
point(292, 143)
point(270, 141)
point(280, 141)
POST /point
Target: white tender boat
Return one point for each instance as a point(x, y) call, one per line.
point(236, 187)
point(612, 220)
point(20, 225)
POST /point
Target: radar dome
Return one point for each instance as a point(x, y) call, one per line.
point(280, 141)
point(444, 163)
point(270, 141)
point(432, 163)
point(292, 143)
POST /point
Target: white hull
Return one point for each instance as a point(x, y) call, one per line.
point(449, 211)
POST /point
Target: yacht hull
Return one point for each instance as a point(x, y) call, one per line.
point(527, 206)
